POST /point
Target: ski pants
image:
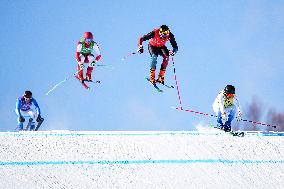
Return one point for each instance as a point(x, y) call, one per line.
point(32, 113)
point(155, 52)
point(230, 112)
point(90, 59)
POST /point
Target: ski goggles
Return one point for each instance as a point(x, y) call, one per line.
point(230, 95)
point(167, 32)
point(88, 40)
point(27, 98)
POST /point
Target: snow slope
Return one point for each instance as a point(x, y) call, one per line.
point(141, 159)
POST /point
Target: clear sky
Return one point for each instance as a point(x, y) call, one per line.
point(220, 42)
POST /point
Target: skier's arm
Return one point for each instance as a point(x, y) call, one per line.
point(18, 107)
point(78, 50)
point(97, 51)
point(173, 43)
point(36, 105)
point(146, 37)
point(222, 102)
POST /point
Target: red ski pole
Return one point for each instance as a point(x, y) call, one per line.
point(245, 120)
point(175, 77)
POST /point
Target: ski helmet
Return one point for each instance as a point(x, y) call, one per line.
point(28, 94)
point(88, 35)
point(164, 29)
point(229, 89)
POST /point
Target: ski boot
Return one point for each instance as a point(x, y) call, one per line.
point(80, 76)
point(88, 77)
point(89, 74)
point(220, 126)
point(161, 78)
point(227, 127)
point(152, 76)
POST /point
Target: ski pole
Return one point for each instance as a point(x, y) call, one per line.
point(59, 83)
point(175, 77)
point(127, 56)
point(106, 66)
point(205, 114)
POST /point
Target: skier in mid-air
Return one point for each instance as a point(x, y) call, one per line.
point(226, 105)
point(27, 108)
point(84, 50)
point(157, 46)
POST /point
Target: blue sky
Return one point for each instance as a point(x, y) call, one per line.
point(220, 42)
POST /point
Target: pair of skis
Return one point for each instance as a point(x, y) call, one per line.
point(71, 76)
point(84, 82)
point(232, 132)
point(156, 87)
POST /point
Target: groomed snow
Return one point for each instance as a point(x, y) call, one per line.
point(141, 159)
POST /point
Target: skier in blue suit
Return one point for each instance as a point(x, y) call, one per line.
point(27, 108)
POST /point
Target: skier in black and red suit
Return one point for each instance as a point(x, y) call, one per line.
point(157, 46)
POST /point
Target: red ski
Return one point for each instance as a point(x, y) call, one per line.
point(83, 83)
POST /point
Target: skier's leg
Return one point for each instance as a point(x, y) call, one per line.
point(32, 115)
point(80, 73)
point(20, 122)
point(219, 120)
point(90, 68)
point(231, 112)
point(26, 115)
point(165, 54)
point(154, 57)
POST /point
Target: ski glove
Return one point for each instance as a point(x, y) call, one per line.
point(93, 64)
point(82, 66)
point(239, 117)
point(172, 53)
point(21, 119)
point(140, 49)
point(98, 57)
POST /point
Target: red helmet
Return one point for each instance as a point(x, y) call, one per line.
point(88, 35)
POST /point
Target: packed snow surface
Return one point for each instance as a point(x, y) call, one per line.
point(141, 159)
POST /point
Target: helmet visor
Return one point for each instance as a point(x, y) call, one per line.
point(27, 98)
point(89, 40)
point(230, 95)
point(164, 32)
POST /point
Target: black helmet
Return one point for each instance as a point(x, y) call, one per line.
point(28, 94)
point(164, 29)
point(229, 89)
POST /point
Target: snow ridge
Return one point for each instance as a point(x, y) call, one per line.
point(141, 159)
